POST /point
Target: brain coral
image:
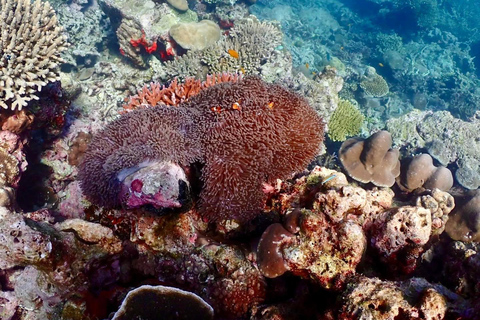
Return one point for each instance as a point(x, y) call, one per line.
point(246, 132)
point(30, 47)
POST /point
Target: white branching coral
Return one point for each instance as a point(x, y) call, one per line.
point(30, 45)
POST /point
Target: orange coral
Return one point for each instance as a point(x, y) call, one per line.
point(175, 93)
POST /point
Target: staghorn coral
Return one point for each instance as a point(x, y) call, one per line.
point(346, 121)
point(246, 133)
point(30, 47)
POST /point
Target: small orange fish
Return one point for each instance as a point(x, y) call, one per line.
point(236, 106)
point(270, 105)
point(242, 70)
point(380, 64)
point(216, 109)
point(233, 53)
point(307, 65)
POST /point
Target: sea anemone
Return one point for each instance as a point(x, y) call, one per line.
point(245, 133)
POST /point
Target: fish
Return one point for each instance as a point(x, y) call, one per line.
point(236, 106)
point(380, 64)
point(233, 53)
point(270, 105)
point(216, 109)
point(329, 178)
point(307, 65)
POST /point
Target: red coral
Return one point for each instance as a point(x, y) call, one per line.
point(175, 93)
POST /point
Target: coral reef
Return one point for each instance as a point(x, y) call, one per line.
point(216, 223)
point(320, 250)
point(142, 30)
point(246, 133)
point(181, 5)
point(320, 92)
point(346, 121)
point(371, 160)
point(253, 45)
point(32, 42)
point(415, 298)
point(400, 233)
point(87, 28)
point(447, 139)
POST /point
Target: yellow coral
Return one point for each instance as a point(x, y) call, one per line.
point(346, 121)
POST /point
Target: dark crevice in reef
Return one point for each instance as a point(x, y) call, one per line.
point(33, 192)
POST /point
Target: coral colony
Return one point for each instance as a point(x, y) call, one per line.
point(190, 160)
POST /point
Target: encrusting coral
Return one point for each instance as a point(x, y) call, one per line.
point(246, 133)
point(30, 47)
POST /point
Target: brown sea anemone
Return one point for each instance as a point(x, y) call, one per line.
point(133, 142)
point(245, 133)
point(253, 132)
